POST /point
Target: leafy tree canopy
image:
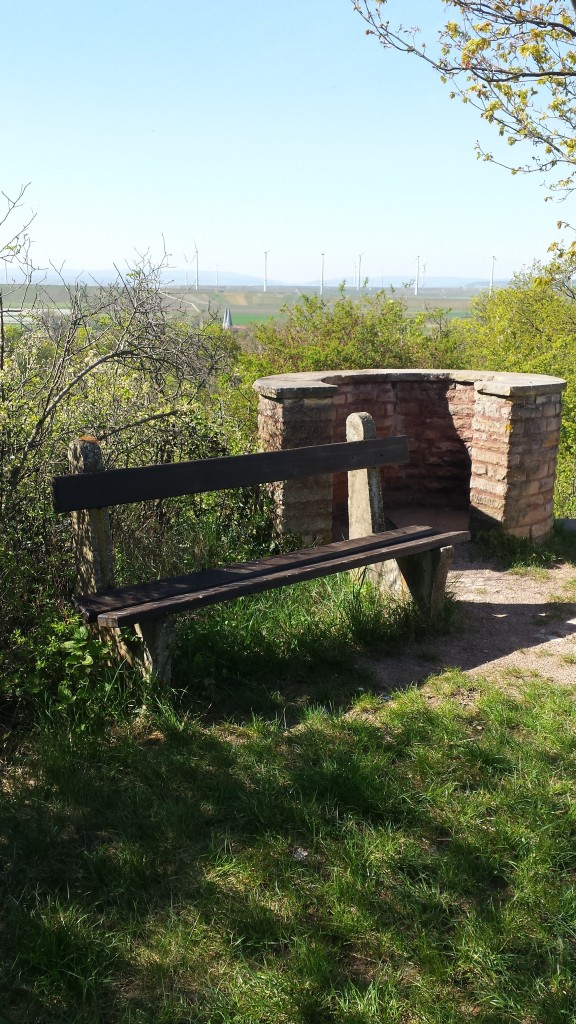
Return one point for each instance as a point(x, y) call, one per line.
point(348, 335)
point(514, 62)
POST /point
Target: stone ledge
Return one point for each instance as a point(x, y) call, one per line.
point(324, 384)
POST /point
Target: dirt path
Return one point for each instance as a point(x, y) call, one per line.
point(517, 624)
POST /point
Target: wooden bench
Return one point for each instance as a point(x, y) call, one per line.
point(419, 551)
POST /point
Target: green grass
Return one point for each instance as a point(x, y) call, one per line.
point(242, 319)
point(306, 638)
point(521, 555)
point(281, 842)
point(382, 861)
point(459, 314)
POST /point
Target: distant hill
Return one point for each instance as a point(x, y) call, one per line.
point(395, 281)
point(231, 279)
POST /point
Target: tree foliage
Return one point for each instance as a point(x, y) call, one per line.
point(514, 62)
point(349, 334)
point(113, 361)
point(530, 327)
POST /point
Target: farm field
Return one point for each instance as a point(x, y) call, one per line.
point(252, 305)
point(247, 305)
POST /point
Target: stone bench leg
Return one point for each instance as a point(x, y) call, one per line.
point(423, 576)
point(148, 650)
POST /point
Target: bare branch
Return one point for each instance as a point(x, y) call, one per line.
point(171, 414)
point(125, 333)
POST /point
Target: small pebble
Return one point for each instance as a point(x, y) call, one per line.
point(299, 853)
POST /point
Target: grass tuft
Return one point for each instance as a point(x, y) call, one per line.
point(521, 553)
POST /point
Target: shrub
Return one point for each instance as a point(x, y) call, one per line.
point(373, 331)
point(118, 366)
point(530, 327)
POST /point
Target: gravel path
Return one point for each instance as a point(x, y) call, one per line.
point(519, 624)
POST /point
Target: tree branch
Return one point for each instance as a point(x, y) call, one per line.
point(139, 423)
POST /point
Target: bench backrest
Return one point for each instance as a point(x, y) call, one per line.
point(170, 480)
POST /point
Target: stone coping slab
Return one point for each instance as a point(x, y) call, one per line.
point(324, 384)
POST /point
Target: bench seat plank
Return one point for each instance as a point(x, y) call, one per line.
point(146, 602)
point(92, 605)
point(171, 480)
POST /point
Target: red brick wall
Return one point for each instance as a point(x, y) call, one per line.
point(514, 450)
point(495, 453)
point(437, 418)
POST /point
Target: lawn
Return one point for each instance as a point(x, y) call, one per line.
point(282, 843)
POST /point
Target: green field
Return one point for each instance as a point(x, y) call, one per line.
point(249, 305)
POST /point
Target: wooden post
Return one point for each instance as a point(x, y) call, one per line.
point(91, 527)
point(423, 576)
point(149, 650)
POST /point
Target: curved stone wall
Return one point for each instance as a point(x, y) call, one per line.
point(479, 441)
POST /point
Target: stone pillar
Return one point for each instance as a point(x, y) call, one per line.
point(365, 508)
point(302, 507)
point(421, 576)
point(514, 450)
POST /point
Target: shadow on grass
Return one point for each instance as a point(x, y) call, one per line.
point(225, 671)
point(258, 873)
point(274, 654)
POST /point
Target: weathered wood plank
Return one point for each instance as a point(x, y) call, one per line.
point(256, 582)
point(124, 486)
point(94, 604)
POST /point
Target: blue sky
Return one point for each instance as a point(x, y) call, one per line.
point(251, 127)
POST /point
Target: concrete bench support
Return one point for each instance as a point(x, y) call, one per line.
point(422, 576)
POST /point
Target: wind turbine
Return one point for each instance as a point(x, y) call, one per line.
point(491, 285)
point(196, 258)
point(360, 255)
point(266, 251)
point(322, 275)
point(417, 276)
